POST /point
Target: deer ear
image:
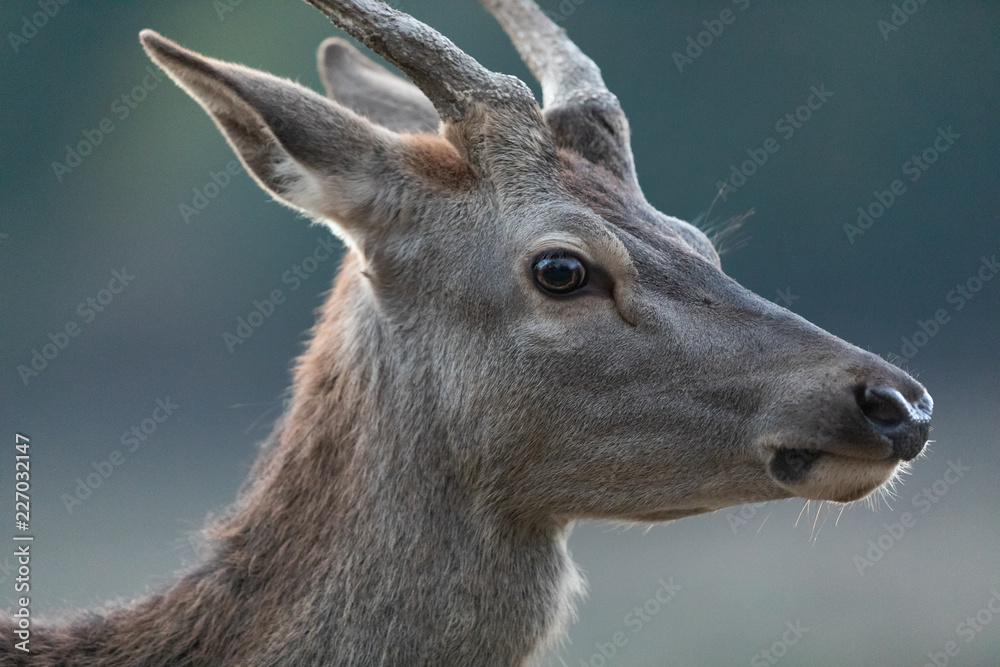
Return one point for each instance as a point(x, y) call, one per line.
point(309, 152)
point(373, 91)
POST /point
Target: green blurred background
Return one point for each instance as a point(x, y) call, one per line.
point(745, 572)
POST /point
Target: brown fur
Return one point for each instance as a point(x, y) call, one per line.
point(449, 419)
point(438, 161)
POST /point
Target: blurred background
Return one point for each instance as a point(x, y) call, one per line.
point(109, 168)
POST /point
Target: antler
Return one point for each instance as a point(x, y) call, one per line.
point(450, 78)
point(582, 113)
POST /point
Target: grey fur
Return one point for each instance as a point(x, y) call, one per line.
point(583, 114)
point(372, 91)
point(449, 421)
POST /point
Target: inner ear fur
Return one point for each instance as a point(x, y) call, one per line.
point(310, 152)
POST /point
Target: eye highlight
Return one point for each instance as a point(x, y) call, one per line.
point(559, 273)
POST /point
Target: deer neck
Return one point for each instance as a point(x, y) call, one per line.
point(375, 543)
point(358, 541)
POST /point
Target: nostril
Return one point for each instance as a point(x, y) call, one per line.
point(904, 423)
point(925, 406)
point(883, 406)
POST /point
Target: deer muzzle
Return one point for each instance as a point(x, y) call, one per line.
point(841, 444)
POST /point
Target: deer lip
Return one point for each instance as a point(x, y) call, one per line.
point(843, 477)
point(833, 450)
point(793, 464)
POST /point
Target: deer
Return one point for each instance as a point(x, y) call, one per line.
point(516, 341)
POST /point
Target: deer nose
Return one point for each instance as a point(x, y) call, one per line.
point(905, 423)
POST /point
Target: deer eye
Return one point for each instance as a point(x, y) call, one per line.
point(559, 273)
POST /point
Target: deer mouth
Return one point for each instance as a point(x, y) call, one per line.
point(820, 474)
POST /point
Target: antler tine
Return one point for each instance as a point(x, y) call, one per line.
point(582, 113)
point(449, 77)
point(567, 75)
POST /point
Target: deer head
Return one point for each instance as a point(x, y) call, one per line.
point(579, 353)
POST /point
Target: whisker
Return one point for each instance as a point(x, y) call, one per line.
point(812, 533)
point(800, 513)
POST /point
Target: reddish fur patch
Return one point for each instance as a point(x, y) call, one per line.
point(437, 160)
